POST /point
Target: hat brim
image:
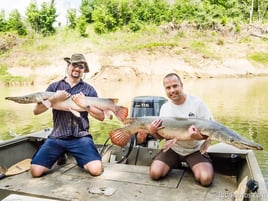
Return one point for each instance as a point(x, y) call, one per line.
point(68, 60)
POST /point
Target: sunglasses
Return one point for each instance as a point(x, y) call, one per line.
point(80, 66)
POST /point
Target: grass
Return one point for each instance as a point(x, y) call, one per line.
point(8, 79)
point(260, 57)
point(202, 48)
point(147, 38)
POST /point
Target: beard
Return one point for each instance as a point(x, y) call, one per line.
point(75, 74)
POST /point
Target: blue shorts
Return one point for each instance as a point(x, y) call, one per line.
point(83, 149)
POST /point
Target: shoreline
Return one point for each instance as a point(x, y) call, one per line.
point(125, 68)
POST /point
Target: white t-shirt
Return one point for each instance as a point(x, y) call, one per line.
point(193, 107)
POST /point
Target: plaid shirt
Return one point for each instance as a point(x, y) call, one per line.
point(65, 124)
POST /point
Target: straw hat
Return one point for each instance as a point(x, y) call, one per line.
point(77, 58)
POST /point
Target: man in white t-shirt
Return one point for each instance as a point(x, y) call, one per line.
point(187, 106)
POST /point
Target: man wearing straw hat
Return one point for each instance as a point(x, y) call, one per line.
point(70, 133)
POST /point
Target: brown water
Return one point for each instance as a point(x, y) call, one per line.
point(240, 104)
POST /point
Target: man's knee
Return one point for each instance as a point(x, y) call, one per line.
point(37, 170)
point(154, 174)
point(94, 168)
point(158, 169)
point(206, 179)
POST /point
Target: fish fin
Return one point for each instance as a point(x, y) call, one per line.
point(39, 99)
point(168, 144)
point(120, 137)
point(75, 113)
point(121, 113)
point(46, 103)
point(128, 121)
point(204, 146)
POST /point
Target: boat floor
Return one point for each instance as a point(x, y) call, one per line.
point(117, 182)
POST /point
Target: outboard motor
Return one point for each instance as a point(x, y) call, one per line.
point(147, 106)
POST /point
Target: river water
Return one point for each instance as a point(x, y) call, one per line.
point(239, 103)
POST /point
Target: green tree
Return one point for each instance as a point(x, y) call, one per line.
point(71, 18)
point(258, 10)
point(86, 8)
point(14, 23)
point(110, 15)
point(32, 14)
point(104, 22)
point(42, 20)
point(82, 26)
point(155, 12)
point(2, 21)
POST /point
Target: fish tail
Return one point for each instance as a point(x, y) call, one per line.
point(120, 137)
point(121, 113)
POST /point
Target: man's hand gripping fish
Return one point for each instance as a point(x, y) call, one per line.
point(105, 104)
point(178, 129)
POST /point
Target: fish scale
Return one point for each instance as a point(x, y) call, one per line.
point(177, 128)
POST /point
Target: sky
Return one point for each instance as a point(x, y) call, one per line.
point(61, 6)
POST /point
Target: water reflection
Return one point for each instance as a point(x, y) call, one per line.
point(240, 104)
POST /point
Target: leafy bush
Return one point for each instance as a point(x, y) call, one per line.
point(71, 18)
point(112, 15)
point(41, 20)
point(82, 26)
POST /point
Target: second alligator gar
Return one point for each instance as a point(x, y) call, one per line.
point(177, 128)
point(104, 104)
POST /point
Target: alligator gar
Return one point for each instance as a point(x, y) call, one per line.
point(105, 104)
point(177, 128)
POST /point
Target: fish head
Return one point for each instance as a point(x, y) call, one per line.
point(229, 136)
point(21, 99)
point(31, 98)
point(247, 144)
